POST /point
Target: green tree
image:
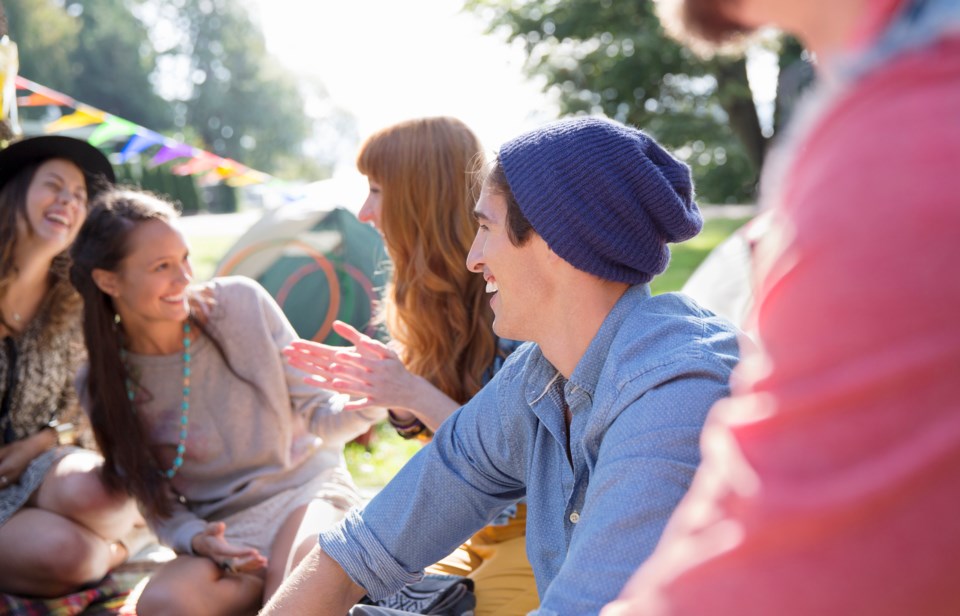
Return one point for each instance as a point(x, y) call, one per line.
point(47, 40)
point(614, 58)
point(242, 103)
point(117, 65)
point(96, 52)
point(199, 67)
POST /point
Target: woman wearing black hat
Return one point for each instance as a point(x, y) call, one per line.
point(58, 524)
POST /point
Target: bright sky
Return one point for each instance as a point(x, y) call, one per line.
point(384, 61)
point(389, 60)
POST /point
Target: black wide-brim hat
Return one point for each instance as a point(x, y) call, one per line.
point(94, 164)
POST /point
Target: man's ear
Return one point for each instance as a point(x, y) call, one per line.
point(106, 281)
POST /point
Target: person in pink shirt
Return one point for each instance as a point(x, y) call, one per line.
point(830, 479)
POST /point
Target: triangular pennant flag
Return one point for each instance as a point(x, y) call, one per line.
point(112, 127)
point(52, 97)
point(210, 178)
point(83, 116)
point(247, 178)
point(140, 142)
point(201, 161)
point(229, 168)
point(37, 100)
point(217, 168)
point(172, 152)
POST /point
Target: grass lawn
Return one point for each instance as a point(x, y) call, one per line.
point(206, 252)
point(372, 466)
point(686, 257)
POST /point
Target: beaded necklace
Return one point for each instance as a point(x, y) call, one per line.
point(184, 406)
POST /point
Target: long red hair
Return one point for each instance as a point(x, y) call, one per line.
point(434, 308)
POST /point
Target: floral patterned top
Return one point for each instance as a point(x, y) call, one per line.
point(37, 371)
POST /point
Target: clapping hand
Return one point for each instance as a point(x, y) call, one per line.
point(369, 371)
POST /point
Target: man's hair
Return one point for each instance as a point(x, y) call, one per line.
point(519, 228)
point(705, 26)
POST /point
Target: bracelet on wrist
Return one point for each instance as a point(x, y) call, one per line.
point(65, 432)
point(406, 428)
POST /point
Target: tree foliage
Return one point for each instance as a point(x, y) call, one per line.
point(96, 52)
point(614, 58)
point(242, 103)
point(197, 68)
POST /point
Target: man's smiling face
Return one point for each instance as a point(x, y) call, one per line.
point(517, 276)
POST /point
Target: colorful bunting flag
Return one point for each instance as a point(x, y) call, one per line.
point(41, 93)
point(172, 152)
point(201, 161)
point(140, 142)
point(248, 178)
point(109, 127)
point(83, 116)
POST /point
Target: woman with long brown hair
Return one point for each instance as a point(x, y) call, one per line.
point(59, 525)
point(422, 177)
point(236, 463)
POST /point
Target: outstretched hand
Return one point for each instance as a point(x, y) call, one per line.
point(369, 370)
point(212, 544)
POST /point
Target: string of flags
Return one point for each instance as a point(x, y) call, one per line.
point(188, 160)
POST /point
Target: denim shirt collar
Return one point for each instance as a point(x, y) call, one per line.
point(545, 380)
point(586, 374)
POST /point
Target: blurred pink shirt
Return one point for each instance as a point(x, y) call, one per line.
point(830, 483)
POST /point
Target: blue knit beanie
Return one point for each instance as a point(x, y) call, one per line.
point(605, 197)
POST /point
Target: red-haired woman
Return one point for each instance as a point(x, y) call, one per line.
point(422, 176)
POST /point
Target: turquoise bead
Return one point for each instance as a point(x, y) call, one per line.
point(184, 407)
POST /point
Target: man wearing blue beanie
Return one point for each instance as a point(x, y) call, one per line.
point(596, 421)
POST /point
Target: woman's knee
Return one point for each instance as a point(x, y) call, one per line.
point(168, 594)
point(159, 600)
point(198, 588)
point(80, 492)
point(73, 557)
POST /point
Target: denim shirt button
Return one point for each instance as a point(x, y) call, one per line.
point(574, 517)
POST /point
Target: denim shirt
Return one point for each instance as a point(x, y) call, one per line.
point(638, 399)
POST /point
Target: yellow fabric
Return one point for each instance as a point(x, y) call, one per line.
point(496, 560)
point(9, 65)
